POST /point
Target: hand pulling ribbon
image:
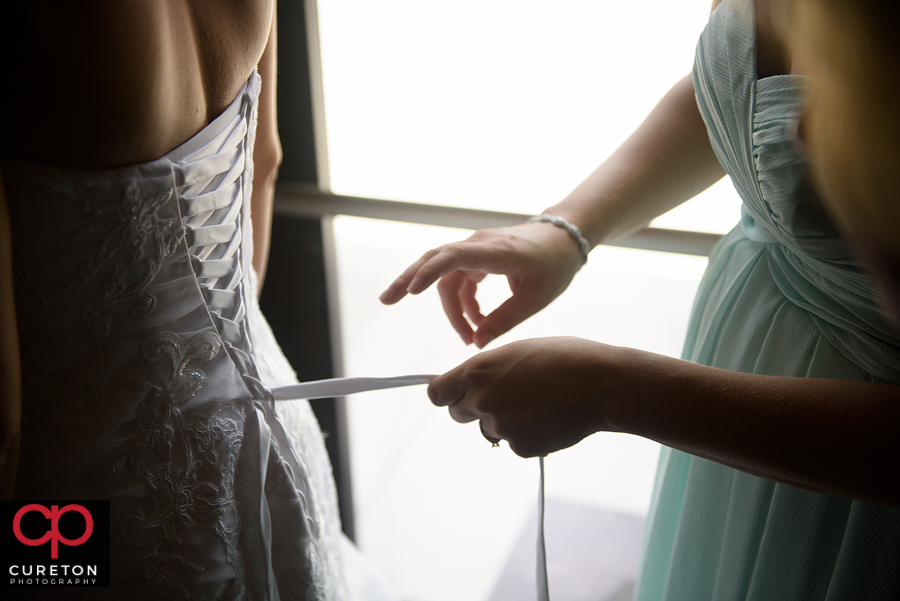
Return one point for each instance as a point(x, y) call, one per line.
point(336, 387)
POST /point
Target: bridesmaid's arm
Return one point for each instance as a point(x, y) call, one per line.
point(10, 375)
point(266, 155)
point(666, 161)
point(542, 395)
point(832, 436)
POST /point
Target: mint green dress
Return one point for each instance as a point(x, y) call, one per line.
point(782, 296)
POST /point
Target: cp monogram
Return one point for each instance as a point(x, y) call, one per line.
point(53, 534)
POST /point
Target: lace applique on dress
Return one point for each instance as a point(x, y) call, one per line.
point(142, 346)
point(68, 293)
point(119, 243)
point(188, 459)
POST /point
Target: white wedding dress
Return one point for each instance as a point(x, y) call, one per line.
point(147, 378)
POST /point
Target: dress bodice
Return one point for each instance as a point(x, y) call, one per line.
point(752, 125)
point(147, 372)
point(104, 255)
point(782, 296)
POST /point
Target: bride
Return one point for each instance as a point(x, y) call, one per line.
point(138, 140)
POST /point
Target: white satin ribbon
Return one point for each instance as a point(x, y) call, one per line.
point(336, 387)
point(543, 587)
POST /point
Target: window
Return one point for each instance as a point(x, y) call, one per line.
point(488, 105)
point(499, 104)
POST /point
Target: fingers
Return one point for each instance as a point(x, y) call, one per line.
point(449, 391)
point(494, 440)
point(459, 391)
point(460, 413)
point(469, 302)
point(451, 289)
point(465, 256)
point(513, 311)
point(433, 265)
point(457, 291)
point(447, 388)
point(399, 287)
point(460, 267)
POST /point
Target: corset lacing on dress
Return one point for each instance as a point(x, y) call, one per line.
point(130, 283)
point(214, 214)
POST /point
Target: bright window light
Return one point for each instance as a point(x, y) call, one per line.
point(502, 105)
point(438, 510)
point(499, 104)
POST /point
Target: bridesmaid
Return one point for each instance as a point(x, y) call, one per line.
point(814, 481)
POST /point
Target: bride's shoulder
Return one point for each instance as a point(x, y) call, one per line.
point(104, 82)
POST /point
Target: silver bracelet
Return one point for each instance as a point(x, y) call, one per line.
point(573, 230)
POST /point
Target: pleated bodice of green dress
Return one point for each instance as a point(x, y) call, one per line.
point(783, 295)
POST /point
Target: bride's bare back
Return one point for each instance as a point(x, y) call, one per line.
point(112, 82)
point(106, 83)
